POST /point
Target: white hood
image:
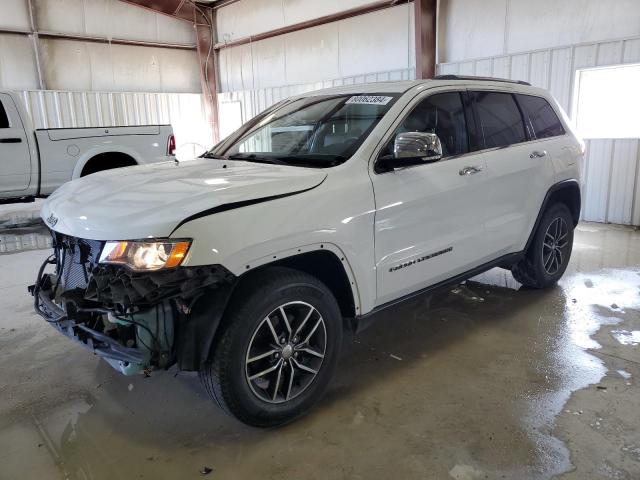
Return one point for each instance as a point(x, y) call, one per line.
point(151, 200)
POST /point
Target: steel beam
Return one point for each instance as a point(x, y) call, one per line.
point(88, 38)
point(115, 41)
point(205, 23)
point(35, 40)
point(182, 9)
point(426, 28)
point(353, 12)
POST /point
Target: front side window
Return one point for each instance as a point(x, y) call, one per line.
point(540, 118)
point(500, 121)
point(442, 114)
point(4, 120)
point(320, 131)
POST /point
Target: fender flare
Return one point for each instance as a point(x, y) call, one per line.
point(91, 153)
point(564, 184)
point(291, 253)
point(198, 331)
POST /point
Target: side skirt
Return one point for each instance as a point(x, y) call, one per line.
point(364, 321)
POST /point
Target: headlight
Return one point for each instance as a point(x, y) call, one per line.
point(146, 255)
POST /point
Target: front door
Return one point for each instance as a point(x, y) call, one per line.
point(15, 162)
point(429, 217)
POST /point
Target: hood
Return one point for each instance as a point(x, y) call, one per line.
point(152, 200)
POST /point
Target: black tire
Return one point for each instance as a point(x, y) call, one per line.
point(226, 376)
point(538, 269)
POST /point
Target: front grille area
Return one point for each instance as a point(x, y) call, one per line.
point(75, 259)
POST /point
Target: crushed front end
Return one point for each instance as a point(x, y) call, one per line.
point(136, 321)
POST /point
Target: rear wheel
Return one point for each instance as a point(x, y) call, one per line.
point(548, 255)
point(277, 350)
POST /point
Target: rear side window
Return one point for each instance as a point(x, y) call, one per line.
point(540, 117)
point(4, 121)
point(500, 121)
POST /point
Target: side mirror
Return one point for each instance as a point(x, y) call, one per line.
point(422, 146)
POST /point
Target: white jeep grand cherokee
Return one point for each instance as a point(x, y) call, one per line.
point(250, 263)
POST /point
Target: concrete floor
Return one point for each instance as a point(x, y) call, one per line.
point(483, 381)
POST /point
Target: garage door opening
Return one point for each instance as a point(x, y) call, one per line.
point(605, 100)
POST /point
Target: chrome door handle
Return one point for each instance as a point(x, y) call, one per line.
point(470, 170)
point(538, 154)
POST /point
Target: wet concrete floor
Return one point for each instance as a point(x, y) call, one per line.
point(486, 380)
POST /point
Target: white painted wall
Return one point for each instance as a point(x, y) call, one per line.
point(111, 19)
point(249, 17)
point(17, 62)
point(75, 65)
point(470, 29)
point(78, 65)
point(376, 42)
point(15, 15)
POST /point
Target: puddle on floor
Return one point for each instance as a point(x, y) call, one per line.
point(627, 338)
point(624, 374)
point(22, 239)
point(18, 215)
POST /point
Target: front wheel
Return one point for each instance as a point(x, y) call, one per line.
point(277, 350)
point(547, 257)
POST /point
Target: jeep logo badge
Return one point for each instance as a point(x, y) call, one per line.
point(52, 220)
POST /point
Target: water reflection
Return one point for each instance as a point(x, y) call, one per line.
point(22, 239)
point(627, 338)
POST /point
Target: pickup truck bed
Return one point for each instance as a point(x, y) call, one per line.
point(36, 162)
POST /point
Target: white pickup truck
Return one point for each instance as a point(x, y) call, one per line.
point(36, 162)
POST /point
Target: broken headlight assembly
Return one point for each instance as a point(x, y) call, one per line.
point(145, 255)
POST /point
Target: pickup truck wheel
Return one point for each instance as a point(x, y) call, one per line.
point(548, 255)
point(277, 350)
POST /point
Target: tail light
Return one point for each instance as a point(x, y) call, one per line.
point(171, 145)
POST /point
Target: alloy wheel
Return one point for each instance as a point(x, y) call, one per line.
point(555, 240)
point(285, 352)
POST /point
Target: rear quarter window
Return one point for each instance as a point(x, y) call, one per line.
point(540, 118)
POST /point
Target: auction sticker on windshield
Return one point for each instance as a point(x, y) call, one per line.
point(369, 100)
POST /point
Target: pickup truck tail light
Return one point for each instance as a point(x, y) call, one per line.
point(171, 145)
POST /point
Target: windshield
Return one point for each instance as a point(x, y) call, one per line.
point(320, 131)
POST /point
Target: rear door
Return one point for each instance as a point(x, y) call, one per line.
point(519, 169)
point(546, 131)
point(429, 217)
point(15, 162)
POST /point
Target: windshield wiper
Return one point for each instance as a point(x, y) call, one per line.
point(313, 160)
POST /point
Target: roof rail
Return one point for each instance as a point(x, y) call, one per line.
point(487, 79)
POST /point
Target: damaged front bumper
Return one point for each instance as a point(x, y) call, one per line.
point(118, 355)
point(134, 321)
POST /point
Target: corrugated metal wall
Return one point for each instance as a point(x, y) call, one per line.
point(610, 171)
point(62, 109)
